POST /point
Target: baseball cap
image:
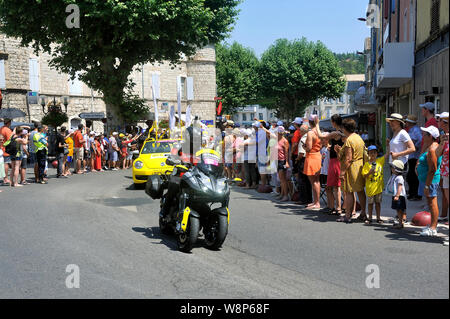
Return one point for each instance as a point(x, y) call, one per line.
point(372, 148)
point(281, 129)
point(428, 105)
point(298, 120)
point(115, 133)
point(292, 128)
point(92, 133)
point(280, 123)
point(432, 130)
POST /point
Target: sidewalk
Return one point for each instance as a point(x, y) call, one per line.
point(387, 213)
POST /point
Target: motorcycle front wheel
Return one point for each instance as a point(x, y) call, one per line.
point(187, 240)
point(217, 232)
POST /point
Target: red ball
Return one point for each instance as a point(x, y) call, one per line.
point(55, 164)
point(296, 197)
point(421, 219)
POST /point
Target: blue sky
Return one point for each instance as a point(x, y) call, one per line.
point(334, 22)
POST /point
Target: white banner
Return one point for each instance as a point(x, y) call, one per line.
point(156, 105)
point(172, 118)
point(179, 98)
point(188, 116)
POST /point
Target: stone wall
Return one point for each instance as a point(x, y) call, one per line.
point(55, 84)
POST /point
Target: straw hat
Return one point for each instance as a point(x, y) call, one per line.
point(395, 117)
point(411, 119)
point(398, 166)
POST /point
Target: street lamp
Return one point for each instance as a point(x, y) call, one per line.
point(54, 104)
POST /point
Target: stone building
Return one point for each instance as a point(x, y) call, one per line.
point(21, 71)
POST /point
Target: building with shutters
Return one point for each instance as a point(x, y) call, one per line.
point(407, 59)
point(21, 72)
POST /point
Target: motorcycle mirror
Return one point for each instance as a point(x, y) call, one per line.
point(172, 161)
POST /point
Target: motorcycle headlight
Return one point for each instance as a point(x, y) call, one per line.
point(138, 165)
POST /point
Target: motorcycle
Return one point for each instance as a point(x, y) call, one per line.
point(188, 199)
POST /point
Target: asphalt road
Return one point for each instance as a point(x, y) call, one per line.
point(100, 223)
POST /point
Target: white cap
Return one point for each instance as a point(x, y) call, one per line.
point(256, 124)
point(115, 133)
point(92, 133)
point(298, 121)
point(312, 117)
point(281, 129)
point(443, 115)
point(432, 130)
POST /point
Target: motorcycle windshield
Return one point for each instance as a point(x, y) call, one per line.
point(209, 163)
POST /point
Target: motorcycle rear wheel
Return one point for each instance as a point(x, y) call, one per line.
point(187, 240)
point(217, 232)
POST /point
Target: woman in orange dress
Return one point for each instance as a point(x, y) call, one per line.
point(313, 162)
point(98, 154)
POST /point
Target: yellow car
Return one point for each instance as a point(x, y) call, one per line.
point(152, 160)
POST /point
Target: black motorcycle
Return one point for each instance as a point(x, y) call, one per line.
point(193, 197)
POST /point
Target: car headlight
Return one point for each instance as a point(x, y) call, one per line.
point(138, 165)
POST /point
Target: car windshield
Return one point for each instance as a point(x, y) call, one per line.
point(156, 147)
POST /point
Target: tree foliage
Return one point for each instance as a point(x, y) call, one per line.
point(351, 63)
point(237, 78)
point(295, 73)
point(116, 35)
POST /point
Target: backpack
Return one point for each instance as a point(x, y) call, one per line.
point(11, 146)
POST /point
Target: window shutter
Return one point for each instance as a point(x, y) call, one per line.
point(435, 6)
point(34, 75)
point(2, 75)
point(190, 88)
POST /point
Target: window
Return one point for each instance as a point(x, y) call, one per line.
point(244, 117)
point(34, 75)
point(76, 86)
point(252, 116)
point(328, 111)
point(261, 117)
point(435, 6)
point(182, 85)
point(340, 110)
point(341, 99)
point(2, 75)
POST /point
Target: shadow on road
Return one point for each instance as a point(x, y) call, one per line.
point(155, 233)
point(135, 187)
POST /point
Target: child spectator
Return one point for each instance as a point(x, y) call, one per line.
point(396, 188)
point(373, 174)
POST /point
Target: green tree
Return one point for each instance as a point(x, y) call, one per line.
point(237, 78)
point(115, 35)
point(293, 74)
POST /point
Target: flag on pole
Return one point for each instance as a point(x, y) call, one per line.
point(188, 116)
point(179, 99)
point(156, 105)
point(172, 118)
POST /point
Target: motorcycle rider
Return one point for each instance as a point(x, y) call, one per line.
point(191, 144)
